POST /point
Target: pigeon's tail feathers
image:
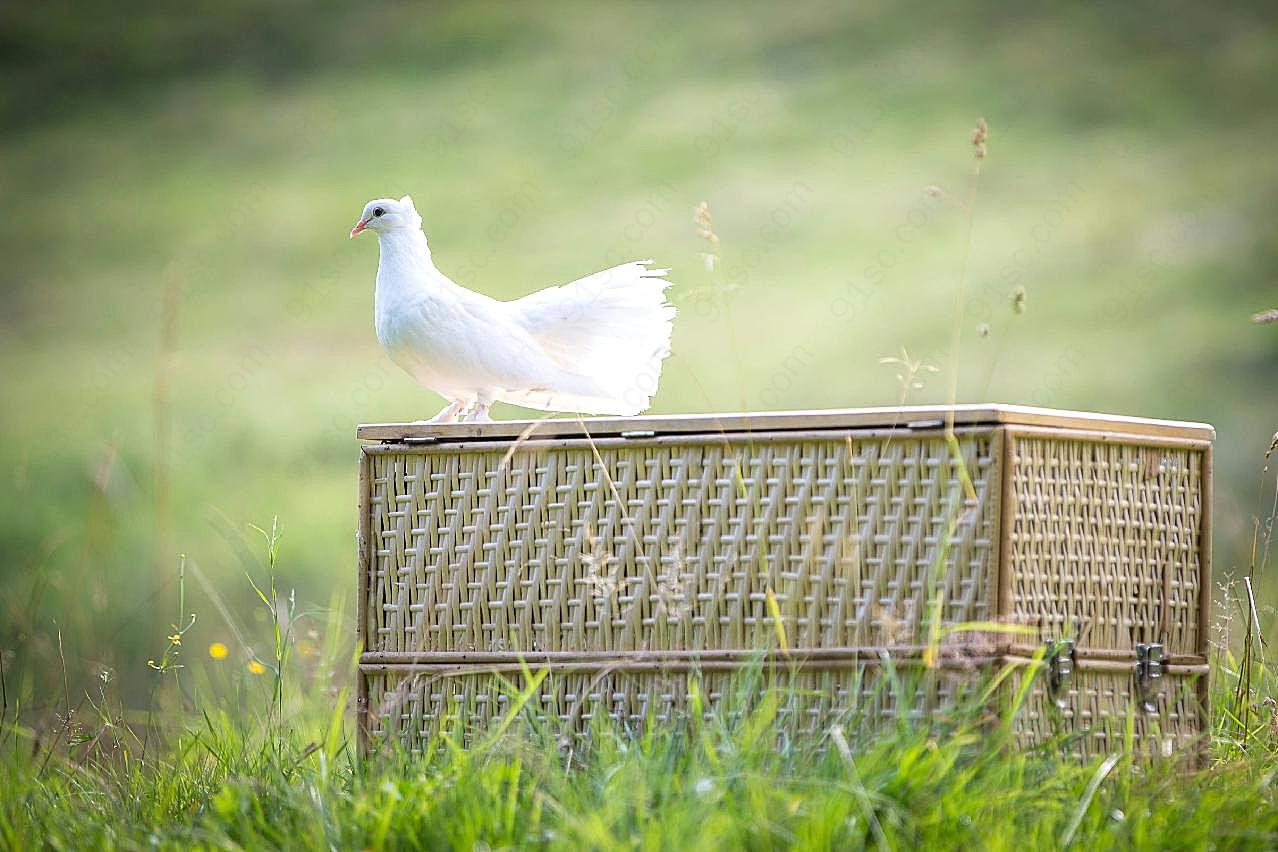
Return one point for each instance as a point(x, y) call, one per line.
point(611, 329)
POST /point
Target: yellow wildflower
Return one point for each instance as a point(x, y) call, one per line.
point(175, 639)
point(256, 668)
point(218, 651)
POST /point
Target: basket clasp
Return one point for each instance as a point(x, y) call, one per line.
point(1060, 668)
point(1149, 675)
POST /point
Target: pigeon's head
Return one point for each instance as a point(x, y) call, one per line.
point(387, 214)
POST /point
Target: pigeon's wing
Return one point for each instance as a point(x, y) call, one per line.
point(613, 326)
point(460, 342)
point(601, 315)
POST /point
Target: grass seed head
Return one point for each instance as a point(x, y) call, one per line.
point(705, 230)
point(979, 135)
point(1018, 300)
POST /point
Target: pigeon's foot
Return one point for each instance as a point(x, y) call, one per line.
point(449, 413)
point(479, 414)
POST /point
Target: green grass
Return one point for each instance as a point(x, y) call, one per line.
point(228, 762)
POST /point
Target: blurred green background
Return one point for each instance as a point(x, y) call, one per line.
point(186, 331)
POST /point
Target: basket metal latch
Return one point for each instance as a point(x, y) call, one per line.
point(1060, 669)
point(1149, 675)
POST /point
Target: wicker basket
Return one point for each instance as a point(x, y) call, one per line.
point(617, 558)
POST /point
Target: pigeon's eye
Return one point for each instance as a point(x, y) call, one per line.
point(377, 211)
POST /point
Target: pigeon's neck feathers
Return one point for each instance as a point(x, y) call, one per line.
point(405, 272)
point(404, 245)
point(405, 264)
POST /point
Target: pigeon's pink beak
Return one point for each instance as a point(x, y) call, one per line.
point(359, 226)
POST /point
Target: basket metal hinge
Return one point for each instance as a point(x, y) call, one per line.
point(639, 433)
point(1060, 668)
point(1149, 675)
point(916, 425)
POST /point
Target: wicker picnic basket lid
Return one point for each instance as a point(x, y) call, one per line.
point(905, 417)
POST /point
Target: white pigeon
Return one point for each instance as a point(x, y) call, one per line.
point(593, 346)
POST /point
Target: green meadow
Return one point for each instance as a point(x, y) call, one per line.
point(187, 342)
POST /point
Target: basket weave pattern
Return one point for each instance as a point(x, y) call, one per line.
point(414, 706)
point(673, 547)
point(418, 705)
point(1107, 537)
point(1097, 709)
